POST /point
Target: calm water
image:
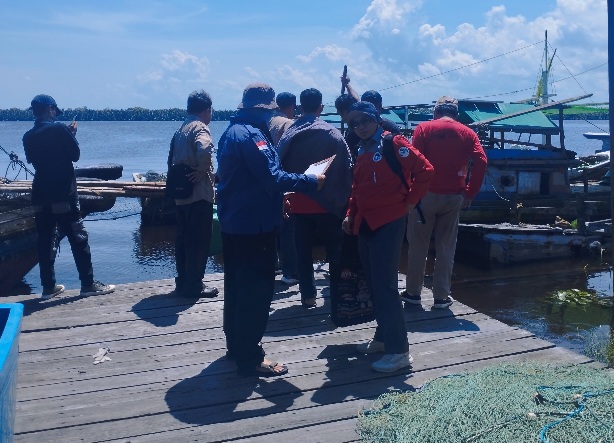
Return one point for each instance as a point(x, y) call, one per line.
point(124, 252)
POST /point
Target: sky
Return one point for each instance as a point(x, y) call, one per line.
point(151, 53)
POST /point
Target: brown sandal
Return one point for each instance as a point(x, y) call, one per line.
point(264, 369)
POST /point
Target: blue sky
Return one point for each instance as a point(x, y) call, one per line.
point(148, 53)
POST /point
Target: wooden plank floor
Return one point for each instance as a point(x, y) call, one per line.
point(168, 379)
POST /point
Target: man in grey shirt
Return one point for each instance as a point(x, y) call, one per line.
point(193, 146)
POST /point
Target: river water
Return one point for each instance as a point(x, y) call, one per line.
point(125, 252)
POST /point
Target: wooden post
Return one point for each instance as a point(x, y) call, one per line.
point(562, 131)
point(611, 115)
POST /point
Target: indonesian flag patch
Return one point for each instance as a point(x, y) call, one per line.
point(262, 145)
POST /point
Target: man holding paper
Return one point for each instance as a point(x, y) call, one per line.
point(311, 144)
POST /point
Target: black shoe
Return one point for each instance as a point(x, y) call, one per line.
point(443, 304)
point(411, 299)
point(96, 288)
point(52, 292)
point(209, 292)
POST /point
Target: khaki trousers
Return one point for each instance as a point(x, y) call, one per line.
point(441, 212)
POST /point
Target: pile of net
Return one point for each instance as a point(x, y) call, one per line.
point(520, 403)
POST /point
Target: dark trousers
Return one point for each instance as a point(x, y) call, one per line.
point(380, 252)
point(194, 223)
point(307, 226)
point(249, 279)
point(287, 247)
point(51, 227)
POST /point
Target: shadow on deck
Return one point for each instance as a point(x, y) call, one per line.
point(168, 379)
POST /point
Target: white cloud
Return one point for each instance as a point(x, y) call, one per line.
point(331, 52)
point(384, 16)
point(483, 57)
point(184, 67)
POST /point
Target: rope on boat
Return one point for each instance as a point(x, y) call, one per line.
point(14, 163)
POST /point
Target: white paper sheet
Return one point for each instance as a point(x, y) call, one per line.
point(319, 168)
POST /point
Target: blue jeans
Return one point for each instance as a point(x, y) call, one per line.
point(307, 226)
point(380, 253)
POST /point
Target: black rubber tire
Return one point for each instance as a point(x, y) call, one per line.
point(107, 171)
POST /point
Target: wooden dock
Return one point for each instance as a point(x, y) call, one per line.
point(168, 379)
point(103, 188)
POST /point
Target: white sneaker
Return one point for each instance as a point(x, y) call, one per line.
point(289, 280)
point(393, 362)
point(371, 347)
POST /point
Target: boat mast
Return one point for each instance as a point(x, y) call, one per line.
point(544, 81)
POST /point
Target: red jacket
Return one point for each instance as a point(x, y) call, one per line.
point(449, 145)
point(378, 195)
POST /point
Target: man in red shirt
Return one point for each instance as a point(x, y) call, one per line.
point(449, 146)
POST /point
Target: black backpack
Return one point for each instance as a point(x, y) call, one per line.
point(395, 165)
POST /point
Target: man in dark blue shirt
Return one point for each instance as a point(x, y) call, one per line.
point(249, 199)
point(52, 148)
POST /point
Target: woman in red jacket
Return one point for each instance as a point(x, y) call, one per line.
point(377, 213)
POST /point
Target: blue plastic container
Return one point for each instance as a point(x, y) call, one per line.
point(10, 328)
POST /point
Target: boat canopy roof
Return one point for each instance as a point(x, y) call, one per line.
point(471, 111)
point(329, 114)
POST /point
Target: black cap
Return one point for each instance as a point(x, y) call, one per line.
point(44, 100)
point(372, 97)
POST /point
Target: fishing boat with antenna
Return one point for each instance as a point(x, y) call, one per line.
point(530, 167)
point(527, 208)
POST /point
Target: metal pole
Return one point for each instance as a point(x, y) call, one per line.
point(611, 115)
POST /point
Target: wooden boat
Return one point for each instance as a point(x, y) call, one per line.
point(604, 137)
point(17, 240)
point(18, 253)
point(507, 244)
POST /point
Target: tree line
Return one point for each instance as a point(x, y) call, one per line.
point(130, 114)
point(176, 114)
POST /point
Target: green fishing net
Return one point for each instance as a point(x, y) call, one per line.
point(520, 403)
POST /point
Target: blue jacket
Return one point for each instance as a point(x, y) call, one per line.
point(251, 182)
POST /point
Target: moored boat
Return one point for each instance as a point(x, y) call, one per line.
point(161, 210)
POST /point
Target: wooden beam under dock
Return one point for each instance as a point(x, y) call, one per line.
point(101, 188)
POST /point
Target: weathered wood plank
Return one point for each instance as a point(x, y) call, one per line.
point(245, 419)
point(216, 384)
point(168, 379)
point(113, 374)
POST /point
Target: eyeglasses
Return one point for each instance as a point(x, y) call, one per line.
point(364, 121)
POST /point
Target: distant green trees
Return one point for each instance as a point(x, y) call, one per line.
point(579, 112)
point(130, 114)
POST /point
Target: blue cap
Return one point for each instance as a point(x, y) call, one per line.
point(365, 108)
point(44, 100)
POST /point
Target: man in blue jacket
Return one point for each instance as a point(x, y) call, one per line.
point(249, 199)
